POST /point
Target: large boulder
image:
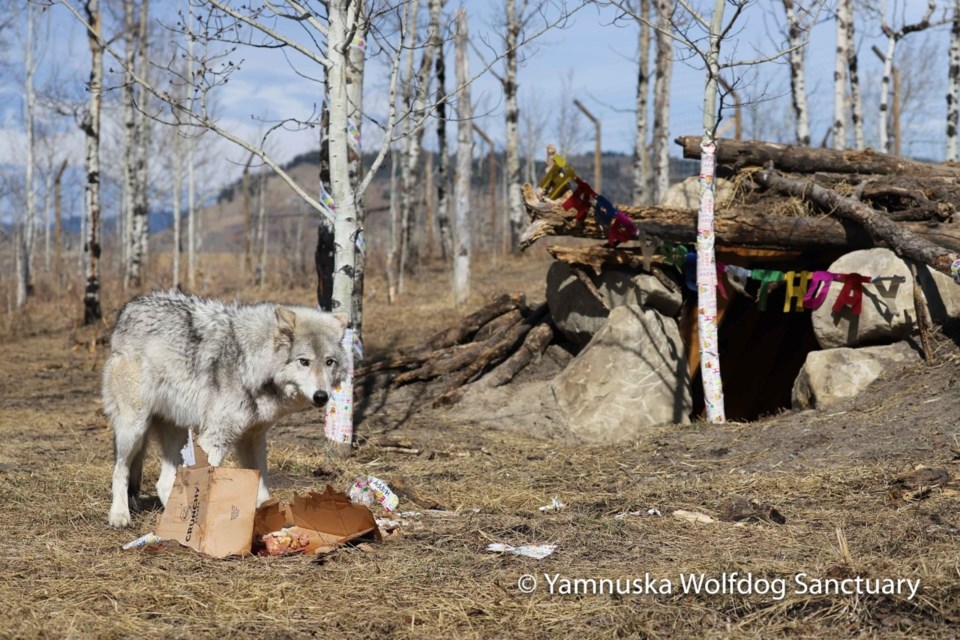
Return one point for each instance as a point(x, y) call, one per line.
point(686, 193)
point(578, 314)
point(887, 312)
point(631, 377)
point(941, 292)
point(832, 375)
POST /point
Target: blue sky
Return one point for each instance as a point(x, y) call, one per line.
point(594, 55)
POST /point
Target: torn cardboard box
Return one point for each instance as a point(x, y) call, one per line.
point(211, 509)
point(324, 520)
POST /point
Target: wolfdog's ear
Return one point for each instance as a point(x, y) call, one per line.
point(343, 318)
point(286, 321)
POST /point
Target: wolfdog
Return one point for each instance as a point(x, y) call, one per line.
point(227, 370)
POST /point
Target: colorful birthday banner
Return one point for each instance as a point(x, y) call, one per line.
point(805, 290)
point(562, 178)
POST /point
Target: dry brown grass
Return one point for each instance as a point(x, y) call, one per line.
point(65, 575)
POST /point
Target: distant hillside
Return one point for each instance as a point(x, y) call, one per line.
point(222, 223)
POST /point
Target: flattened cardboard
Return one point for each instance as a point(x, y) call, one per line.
point(332, 513)
point(211, 509)
point(329, 519)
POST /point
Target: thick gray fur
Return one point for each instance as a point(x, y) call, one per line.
point(228, 371)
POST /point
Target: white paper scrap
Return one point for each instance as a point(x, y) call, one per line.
point(555, 505)
point(536, 551)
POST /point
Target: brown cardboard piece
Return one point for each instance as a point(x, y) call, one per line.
point(211, 509)
point(329, 519)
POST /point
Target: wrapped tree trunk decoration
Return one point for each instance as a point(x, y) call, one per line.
point(706, 260)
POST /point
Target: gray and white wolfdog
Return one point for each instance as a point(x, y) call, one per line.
point(229, 371)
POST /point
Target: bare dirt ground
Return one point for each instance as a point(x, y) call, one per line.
point(830, 474)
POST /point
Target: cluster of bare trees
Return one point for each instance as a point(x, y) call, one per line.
point(157, 74)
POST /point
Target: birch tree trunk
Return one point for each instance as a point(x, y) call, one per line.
point(798, 89)
point(641, 159)
point(141, 146)
point(191, 186)
point(135, 144)
point(356, 62)
point(247, 218)
point(25, 255)
point(953, 90)
point(58, 228)
point(840, 77)
point(128, 256)
point(516, 212)
point(343, 16)
point(262, 229)
point(176, 198)
point(883, 120)
point(856, 97)
point(706, 260)
point(91, 128)
point(443, 153)
point(409, 153)
point(893, 37)
point(661, 101)
point(462, 236)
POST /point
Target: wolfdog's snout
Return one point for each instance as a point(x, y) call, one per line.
point(320, 398)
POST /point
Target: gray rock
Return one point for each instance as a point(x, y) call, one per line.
point(941, 292)
point(887, 312)
point(578, 315)
point(686, 194)
point(630, 378)
point(832, 375)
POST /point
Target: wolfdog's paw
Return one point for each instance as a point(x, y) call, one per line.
point(119, 520)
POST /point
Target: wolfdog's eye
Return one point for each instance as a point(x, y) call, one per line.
point(304, 362)
point(331, 362)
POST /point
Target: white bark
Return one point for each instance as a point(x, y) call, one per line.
point(262, 229)
point(798, 91)
point(177, 194)
point(641, 159)
point(191, 184)
point(343, 16)
point(125, 220)
point(135, 146)
point(661, 101)
point(410, 153)
point(356, 60)
point(706, 259)
point(516, 211)
point(883, 120)
point(893, 37)
point(840, 78)
point(443, 153)
point(462, 236)
point(142, 144)
point(91, 128)
point(27, 233)
point(856, 96)
point(953, 91)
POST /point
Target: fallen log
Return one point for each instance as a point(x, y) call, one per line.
point(468, 326)
point(498, 325)
point(497, 349)
point(412, 361)
point(532, 348)
point(798, 159)
point(597, 257)
point(744, 225)
point(898, 237)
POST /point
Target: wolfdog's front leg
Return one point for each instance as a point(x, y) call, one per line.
point(252, 454)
